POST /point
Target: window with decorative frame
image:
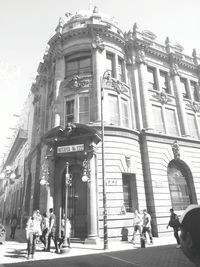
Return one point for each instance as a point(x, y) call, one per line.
point(164, 82)
point(184, 88)
point(195, 95)
point(151, 78)
point(178, 186)
point(119, 110)
point(77, 109)
point(121, 69)
point(192, 125)
point(78, 64)
point(110, 63)
point(158, 118)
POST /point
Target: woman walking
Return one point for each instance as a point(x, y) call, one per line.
point(33, 230)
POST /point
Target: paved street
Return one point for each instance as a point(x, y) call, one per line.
point(120, 254)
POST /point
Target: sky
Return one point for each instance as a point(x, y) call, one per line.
point(27, 25)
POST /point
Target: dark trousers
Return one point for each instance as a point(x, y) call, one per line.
point(176, 235)
point(44, 238)
point(31, 243)
point(147, 230)
point(52, 235)
point(13, 229)
point(137, 228)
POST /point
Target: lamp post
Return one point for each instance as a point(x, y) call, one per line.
point(45, 180)
point(68, 182)
point(9, 176)
point(106, 77)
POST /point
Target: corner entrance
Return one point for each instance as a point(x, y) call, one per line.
point(77, 202)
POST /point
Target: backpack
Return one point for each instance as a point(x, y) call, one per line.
point(174, 221)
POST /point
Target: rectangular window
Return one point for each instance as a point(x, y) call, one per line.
point(83, 109)
point(192, 125)
point(124, 113)
point(184, 89)
point(171, 122)
point(158, 119)
point(110, 63)
point(164, 82)
point(151, 78)
point(130, 194)
point(193, 86)
point(78, 64)
point(69, 111)
point(121, 70)
point(114, 109)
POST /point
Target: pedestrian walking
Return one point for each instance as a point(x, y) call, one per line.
point(45, 228)
point(175, 224)
point(13, 226)
point(190, 233)
point(68, 232)
point(137, 225)
point(147, 225)
point(52, 233)
point(33, 230)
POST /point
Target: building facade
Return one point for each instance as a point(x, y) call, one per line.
point(142, 98)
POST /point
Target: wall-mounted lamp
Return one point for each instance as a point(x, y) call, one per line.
point(45, 172)
point(86, 172)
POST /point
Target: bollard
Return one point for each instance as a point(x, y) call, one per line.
point(143, 241)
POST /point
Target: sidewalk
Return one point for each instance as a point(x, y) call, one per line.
point(15, 250)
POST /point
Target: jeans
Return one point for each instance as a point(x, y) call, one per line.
point(44, 238)
point(31, 243)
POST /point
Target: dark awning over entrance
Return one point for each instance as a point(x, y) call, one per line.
point(71, 133)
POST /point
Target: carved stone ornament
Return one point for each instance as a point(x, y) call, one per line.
point(141, 57)
point(176, 150)
point(128, 161)
point(162, 97)
point(118, 86)
point(77, 82)
point(194, 106)
point(97, 43)
point(175, 70)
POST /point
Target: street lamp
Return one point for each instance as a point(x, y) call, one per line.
point(86, 172)
point(9, 176)
point(45, 179)
point(68, 182)
point(105, 78)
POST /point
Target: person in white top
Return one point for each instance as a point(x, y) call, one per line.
point(147, 225)
point(68, 232)
point(137, 225)
point(33, 230)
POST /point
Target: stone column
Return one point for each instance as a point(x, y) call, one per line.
point(92, 204)
point(145, 102)
point(179, 98)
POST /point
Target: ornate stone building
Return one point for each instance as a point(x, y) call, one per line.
point(150, 121)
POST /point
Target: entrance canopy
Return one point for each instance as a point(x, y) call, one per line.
point(71, 133)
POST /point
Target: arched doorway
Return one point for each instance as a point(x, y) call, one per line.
point(77, 202)
point(180, 184)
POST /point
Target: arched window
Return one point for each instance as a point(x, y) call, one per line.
point(179, 190)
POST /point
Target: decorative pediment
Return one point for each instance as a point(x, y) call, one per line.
point(162, 97)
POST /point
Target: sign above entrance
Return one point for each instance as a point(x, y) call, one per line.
point(68, 149)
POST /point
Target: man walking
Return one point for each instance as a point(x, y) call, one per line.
point(52, 231)
point(137, 225)
point(147, 225)
point(175, 224)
